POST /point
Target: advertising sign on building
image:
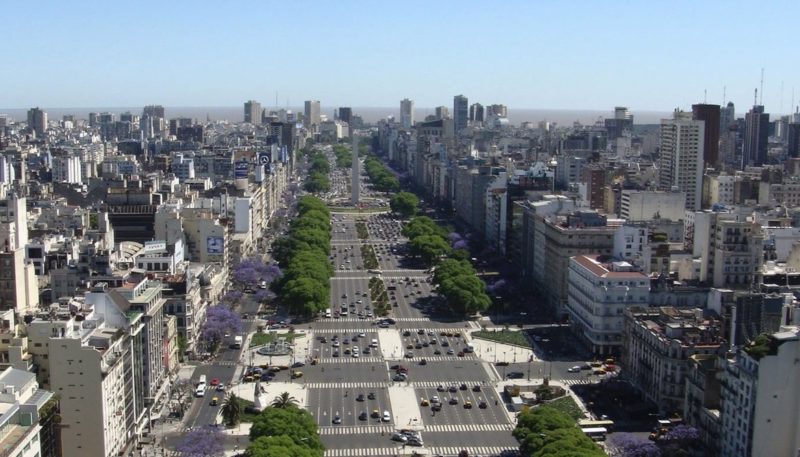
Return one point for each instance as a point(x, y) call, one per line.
point(240, 170)
point(215, 245)
point(155, 246)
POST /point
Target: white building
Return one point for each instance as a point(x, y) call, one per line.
point(639, 205)
point(720, 189)
point(729, 247)
point(761, 398)
point(67, 169)
point(183, 167)
point(681, 157)
point(496, 203)
point(20, 403)
point(598, 294)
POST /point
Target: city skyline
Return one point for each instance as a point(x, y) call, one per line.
point(647, 57)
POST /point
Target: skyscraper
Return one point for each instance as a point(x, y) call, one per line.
point(460, 112)
point(681, 157)
point(37, 121)
point(710, 115)
point(346, 114)
point(153, 111)
point(406, 113)
point(727, 115)
point(756, 134)
point(442, 112)
point(312, 117)
point(793, 139)
point(252, 112)
point(476, 113)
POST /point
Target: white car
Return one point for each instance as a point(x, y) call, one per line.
point(574, 369)
point(386, 417)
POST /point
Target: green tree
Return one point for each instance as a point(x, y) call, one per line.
point(430, 247)
point(546, 431)
point(231, 409)
point(284, 400)
point(296, 423)
point(305, 296)
point(404, 204)
point(280, 446)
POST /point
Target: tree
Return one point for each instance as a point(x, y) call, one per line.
point(404, 204)
point(220, 321)
point(202, 442)
point(430, 247)
point(546, 432)
point(280, 446)
point(284, 400)
point(296, 423)
point(231, 409)
point(630, 445)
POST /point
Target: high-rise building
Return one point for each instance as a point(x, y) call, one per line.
point(346, 114)
point(153, 111)
point(476, 113)
point(37, 121)
point(407, 113)
point(252, 112)
point(793, 140)
point(460, 113)
point(620, 123)
point(442, 112)
point(727, 116)
point(312, 114)
point(681, 157)
point(92, 119)
point(710, 114)
point(756, 135)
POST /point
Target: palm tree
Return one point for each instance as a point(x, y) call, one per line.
point(284, 400)
point(232, 409)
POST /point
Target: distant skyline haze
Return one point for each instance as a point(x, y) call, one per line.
point(649, 56)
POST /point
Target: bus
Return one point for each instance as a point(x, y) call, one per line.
point(237, 341)
point(588, 423)
point(595, 433)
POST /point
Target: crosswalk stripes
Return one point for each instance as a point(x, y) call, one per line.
point(450, 451)
point(350, 359)
point(381, 384)
point(361, 452)
point(573, 382)
point(468, 428)
point(436, 330)
point(368, 319)
point(355, 430)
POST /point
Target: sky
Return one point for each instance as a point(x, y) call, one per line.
point(647, 55)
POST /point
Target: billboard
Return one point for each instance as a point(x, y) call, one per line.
point(264, 158)
point(241, 170)
point(155, 246)
point(215, 245)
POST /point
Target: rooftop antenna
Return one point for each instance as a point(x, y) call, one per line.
point(724, 94)
point(755, 96)
point(761, 97)
point(705, 96)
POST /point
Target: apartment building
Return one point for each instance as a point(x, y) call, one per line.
point(599, 291)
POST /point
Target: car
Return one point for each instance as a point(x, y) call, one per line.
point(450, 351)
point(220, 387)
point(423, 362)
point(214, 401)
point(337, 419)
point(501, 364)
point(437, 352)
point(362, 416)
point(453, 389)
point(298, 365)
point(399, 437)
point(515, 375)
point(414, 442)
point(367, 350)
point(476, 388)
point(347, 351)
point(371, 396)
point(409, 355)
point(400, 377)
point(356, 354)
point(418, 346)
point(453, 401)
point(409, 346)
point(376, 414)
point(346, 341)
point(574, 369)
point(360, 397)
point(407, 333)
point(322, 339)
point(215, 382)
point(467, 404)
point(482, 404)
point(297, 374)
point(386, 417)
point(445, 343)
point(461, 354)
point(362, 335)
point(463, 387)
point(440, 388)
point(424, 402)
point(401, 369)
point(383, 325)
point(436, 406)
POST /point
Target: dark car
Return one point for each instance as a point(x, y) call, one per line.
point(515, 375)
point(371, 396)
point(360, 397)
point(362, 416)
point(476, 388)
point(423, 362)
point(463, 387)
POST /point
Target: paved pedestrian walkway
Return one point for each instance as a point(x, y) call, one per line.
point(405, 406)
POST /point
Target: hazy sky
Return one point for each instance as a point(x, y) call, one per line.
point(648, 55)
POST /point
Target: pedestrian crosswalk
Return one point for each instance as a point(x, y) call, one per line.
point(444, 451)
point(436, 330)
point(450, 451)
point(355, 430)
point(381, 384)
point(468, 428)
point(350, 359)
point(435, 358)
